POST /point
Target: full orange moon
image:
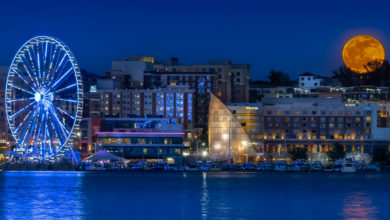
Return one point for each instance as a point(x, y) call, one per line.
point(360, 50)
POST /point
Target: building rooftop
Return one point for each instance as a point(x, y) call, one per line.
point(326, 101)
point(307, 74)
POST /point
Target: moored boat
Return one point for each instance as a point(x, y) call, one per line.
point(348, 166)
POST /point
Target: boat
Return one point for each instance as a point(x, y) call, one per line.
point(329, 167)
point(373, 167)
point(215, 167)
point(138, 166)
point(248, 167)
point(301, 165)
point(206, 165)
point(348, 166)
point(192, 167)
point(280, 166)
point(291, 167)
point(360, 167)
point(267, 166)
point(172, 167)
point(316, 166)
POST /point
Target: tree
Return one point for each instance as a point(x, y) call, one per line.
point(336, 152)
point(298, 153)
point(381, 155)
point(378, 74)
point(278, 78)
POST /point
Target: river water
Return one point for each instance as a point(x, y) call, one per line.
point(223, 195)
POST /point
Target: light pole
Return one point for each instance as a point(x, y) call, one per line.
point(227, 137)
point(229, 152)
point(196, 148)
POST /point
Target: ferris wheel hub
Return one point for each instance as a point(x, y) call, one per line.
point(38, 96)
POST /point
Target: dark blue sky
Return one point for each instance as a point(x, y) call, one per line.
point(292, 36)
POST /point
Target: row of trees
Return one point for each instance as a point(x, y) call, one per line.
point(337, 152)
point(378, 74)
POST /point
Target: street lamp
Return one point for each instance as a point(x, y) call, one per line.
point(225, 136)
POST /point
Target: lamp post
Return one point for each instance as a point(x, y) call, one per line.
point(196, 148)
point(229, 153)
point(227, 136)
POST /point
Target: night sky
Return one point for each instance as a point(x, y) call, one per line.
point(292, 36)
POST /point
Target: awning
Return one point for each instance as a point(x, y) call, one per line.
point(103, 155)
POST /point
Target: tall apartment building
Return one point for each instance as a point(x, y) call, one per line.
point(5, 135)
point(229, 82)
point(130, 71)
point(200, 83)
point(232, 80)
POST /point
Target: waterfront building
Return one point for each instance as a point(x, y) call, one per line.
point(229, 135)
point(139, 138)
point(170, 102)
point(315, 124)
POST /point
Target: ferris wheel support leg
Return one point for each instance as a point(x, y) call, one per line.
point(74, 156)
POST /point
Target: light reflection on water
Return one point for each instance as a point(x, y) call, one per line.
point(41, 195)
point(205, 196)
point(358, 205)
point(139, 195)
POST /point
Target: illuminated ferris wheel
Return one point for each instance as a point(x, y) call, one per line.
point(43, 97)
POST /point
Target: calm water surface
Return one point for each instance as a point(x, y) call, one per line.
point(151, 195)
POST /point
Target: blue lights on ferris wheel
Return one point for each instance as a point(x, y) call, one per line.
point(43, 97)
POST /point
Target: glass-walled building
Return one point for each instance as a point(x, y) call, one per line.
point(228, 140)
